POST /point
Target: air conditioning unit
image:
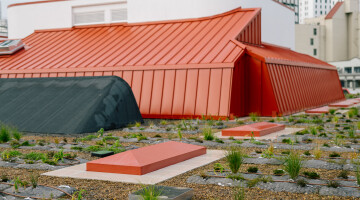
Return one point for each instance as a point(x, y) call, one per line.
point(9, 47)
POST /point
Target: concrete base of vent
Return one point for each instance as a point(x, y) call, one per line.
point(272, 136)
point(257, 129)
point(79, 171)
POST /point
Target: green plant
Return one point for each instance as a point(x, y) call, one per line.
point(179, 134)
point(17, 183)
point(163, 122)
point(307, 153)
point(158, 136)
point(33, 156)
point(326, 145)
point(287, 141)
point(240, 122)
point(332, 111)
point(335, 119)
point(301, 182)
point(59, 155)
point(253, 182)
point(285, 152)
point(78, 195)
point(237, 177)
point(313, 131)
point(16, 135)
point(293, 164)
point(4, 178)
point(4, 134)
point(254, 117)
point(7, 155)
point(88, 138)
point(312, 175)
point(334, 155)
point(357, 174)
point(218, 167)
point(34, 180)
point(218, 140)
point(208, 134)
point(237, 142)
point(344, 174)
point(278, 172)
point(234, 159)
point(151, 192)
point(239, 193)
point(137, 124)
point(333, 184)
point(252, 169)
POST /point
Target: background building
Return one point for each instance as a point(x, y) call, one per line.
point(293, 4)
point(24, 19)
point(314, 8)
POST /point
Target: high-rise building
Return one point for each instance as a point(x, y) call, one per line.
point(315, 8)
point(293, 4)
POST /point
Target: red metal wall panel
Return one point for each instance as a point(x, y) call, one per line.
point(297, 88)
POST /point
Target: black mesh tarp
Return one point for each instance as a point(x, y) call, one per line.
point(67, 105)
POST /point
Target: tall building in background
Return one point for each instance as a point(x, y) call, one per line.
point(315, 8)
point(293, 4)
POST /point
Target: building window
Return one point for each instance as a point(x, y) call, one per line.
point(357, 70)
point(315, 52)
point(311, 41)
point(315, 31)
point(348, 70)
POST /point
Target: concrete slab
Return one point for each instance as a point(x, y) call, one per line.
point(344, 104)
point(257, 129)
point(324, 109)
point(79, 171)
point(146, 159)
point(272, 136)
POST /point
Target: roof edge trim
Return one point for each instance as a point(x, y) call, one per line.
point(296, 63)
point(334, 10)
point(33, 2)
point(120, 68)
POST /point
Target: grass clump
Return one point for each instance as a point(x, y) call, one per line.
point(234, 159)
point(34, 156)
point(334, 155)
point(237, 177)
point(312, 175)
point(252, 169)
point(34, 180)
point(151, 192)
point(333, 184)
point(293, 164)
point(279, 172)
point(254, 116)
point(357, 175)
point(343, 174)
point(239, 193)
point(4, 134)
point(301, 182)
point(208, 134)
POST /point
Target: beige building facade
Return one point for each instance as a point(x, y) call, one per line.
point(333, 37)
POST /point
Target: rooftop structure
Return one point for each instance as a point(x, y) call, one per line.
point(214, 65)
point(25, 18)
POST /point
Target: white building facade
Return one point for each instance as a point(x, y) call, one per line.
point(314, 8)
point(293, 4)
point(349, 73)
point(24, 19)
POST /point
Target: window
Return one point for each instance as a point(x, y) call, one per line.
point(89, 17)
point(315, 31)
point(311, 41)
point(348, 70)
point(315, 52)
point(118, 15)
point(320, 12)
point(357, 70)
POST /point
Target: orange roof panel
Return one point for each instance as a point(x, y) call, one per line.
point(333, 11)
point(181, 42)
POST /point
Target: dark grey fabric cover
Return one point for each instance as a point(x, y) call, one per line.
point(67, 105)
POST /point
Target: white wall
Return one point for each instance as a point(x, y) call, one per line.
point(24, 19)
point(278, 25)
point(278, 22)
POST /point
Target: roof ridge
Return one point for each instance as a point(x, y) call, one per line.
point(236, 10)
point(334, 10)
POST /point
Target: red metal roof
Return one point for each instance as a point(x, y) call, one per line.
point(333, 11)
point(182, 42)
point(280, 55)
